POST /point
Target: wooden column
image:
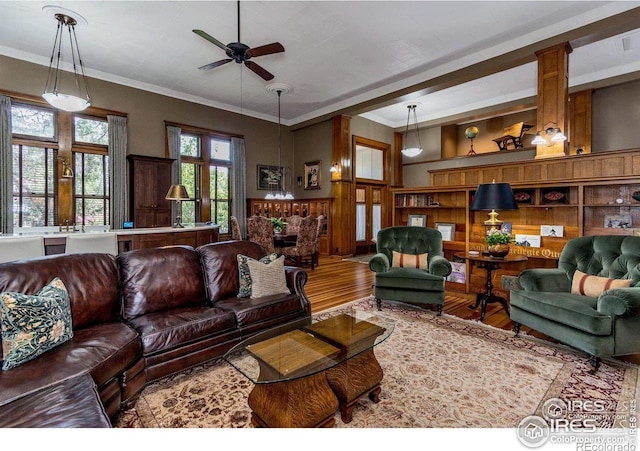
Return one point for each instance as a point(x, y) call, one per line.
point(553, 93)
point(579, 132)
point(342, 190)
point(398, 180)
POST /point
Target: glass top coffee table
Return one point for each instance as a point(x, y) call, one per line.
point(304, 373)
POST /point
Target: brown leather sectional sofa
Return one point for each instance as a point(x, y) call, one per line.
point(136, 318)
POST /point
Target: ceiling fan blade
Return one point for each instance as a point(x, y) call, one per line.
point(216, 64)
point(268, 49)
point(259, 70)
point(210, 38)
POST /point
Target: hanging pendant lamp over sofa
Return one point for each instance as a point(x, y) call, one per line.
point(65, 90)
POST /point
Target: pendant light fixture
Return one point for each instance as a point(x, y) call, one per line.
point(280, 88)
point(64, 90)
point(406, 149)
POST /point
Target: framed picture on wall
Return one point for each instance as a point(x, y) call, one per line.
point(417, 220)
point(270, 177)
point(312, 172)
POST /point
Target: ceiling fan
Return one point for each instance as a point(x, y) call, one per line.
point(241, 53)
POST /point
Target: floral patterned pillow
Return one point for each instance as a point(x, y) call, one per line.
point(244, 290)
point(33, 324)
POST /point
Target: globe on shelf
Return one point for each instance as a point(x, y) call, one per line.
point(471, 132)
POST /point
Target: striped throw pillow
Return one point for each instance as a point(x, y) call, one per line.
point(418, 261)
point(594, 286)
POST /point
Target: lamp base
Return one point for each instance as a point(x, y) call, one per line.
point(178, 223)
point(493, 219)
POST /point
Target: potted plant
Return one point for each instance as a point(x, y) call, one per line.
point(498, 242)
point(279, 225)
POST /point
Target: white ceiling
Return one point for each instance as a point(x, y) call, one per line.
point(338, 54)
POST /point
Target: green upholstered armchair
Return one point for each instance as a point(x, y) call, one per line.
point(602, 325)
point(409, 284)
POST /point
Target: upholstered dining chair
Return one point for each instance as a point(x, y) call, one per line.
point(410, 266)
point(260, 230)
point(236, 234)
point(20, 248)
point(92, 242)
point(321, 222)
point(293, 224)
point(305, 243)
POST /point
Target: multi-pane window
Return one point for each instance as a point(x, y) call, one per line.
point(190, 163)
point(91, 168)
point(205, 168)
point(34, 186)
point(219, 189)
point(34, 166)
point(91, 188)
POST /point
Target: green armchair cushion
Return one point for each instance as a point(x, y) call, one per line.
point(409, 279)
point(579, 311)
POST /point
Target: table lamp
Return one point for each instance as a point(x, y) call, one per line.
point(494, 196)
point(178, 193)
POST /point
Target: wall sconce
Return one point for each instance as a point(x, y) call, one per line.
point(299, 180)
point(554, 132)
point(67, 171)
point(335, 167)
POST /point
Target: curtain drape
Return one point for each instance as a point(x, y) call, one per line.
point(118, 192)
point(173, 137)
point(238, 183)
point(6, 167)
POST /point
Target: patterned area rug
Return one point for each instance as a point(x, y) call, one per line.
point(439, 372)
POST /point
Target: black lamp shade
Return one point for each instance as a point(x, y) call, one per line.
point(494, 196)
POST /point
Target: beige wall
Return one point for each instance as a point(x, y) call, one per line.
point(147, 112)
point(616, 114)
point(313, 143)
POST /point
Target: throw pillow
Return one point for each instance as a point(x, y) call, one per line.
point(418, 261)
point(33, 324)
point(594, 286)
point(244, 289)
point(267, 278)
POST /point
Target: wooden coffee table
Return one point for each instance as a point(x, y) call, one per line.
point(304, 374)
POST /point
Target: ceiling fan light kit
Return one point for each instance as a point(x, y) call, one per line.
point(242, 53)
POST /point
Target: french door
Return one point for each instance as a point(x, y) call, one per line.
point(368, 216)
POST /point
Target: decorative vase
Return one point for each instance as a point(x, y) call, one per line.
point(498, 250)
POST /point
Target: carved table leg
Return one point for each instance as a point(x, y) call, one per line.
point(353, 379)
point(297, 403)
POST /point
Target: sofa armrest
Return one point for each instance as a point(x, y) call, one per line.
point(620, 302)
point(439, 266)
point(545, 279)
point(296, 279)
point(379, 263)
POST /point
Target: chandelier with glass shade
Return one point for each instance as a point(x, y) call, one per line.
point(282, 173)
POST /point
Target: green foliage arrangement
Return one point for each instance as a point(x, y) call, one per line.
point(279, 224)
point(495, 236)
